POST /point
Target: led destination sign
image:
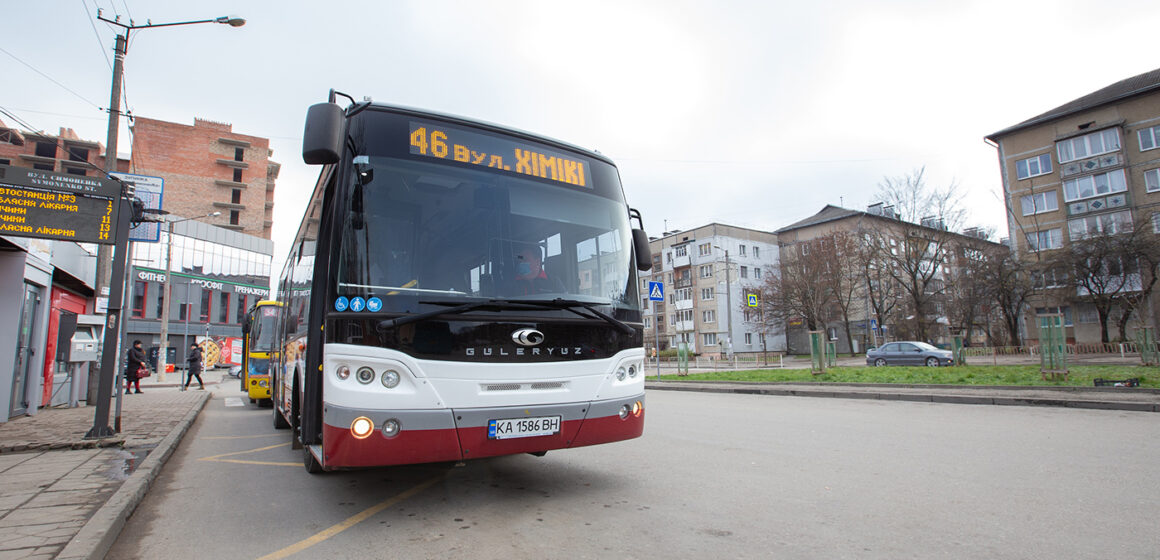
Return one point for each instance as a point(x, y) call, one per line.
point(51, 205)
point(455, 144)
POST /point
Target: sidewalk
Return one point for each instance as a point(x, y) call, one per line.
point(62, 496)
point(1104, 398)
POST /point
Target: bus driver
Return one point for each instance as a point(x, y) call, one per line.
point(531, 278)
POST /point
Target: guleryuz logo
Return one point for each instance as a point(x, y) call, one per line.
point(527, 337)
point(528, 341)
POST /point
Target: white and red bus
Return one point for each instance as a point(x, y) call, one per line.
point(456, 290)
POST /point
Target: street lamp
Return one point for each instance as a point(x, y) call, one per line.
point(728, 307)
point(163, 345)
point(107, 267)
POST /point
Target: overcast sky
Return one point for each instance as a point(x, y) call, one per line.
point(747, 113)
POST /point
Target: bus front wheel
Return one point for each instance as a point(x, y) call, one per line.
point(312, 465)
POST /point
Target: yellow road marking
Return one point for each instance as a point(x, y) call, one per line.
point(216, 457)
point(351, 521)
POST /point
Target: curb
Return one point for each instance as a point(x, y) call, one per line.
point(838, 393)
point(95, 539)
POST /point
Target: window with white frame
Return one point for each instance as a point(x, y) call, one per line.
point(1045, 240)
point(1094, 144)
point(1038, 203)
point(749, 338)
point(706, 294)
point(704, 249)
point(647, 323)
point(1103, 224)
point(681, 251)
point(1033, 167)
point(709, 339)
point(741, 252)
point(1152, 180)
point(1086, 313)
point(1156, 222)
point(1050, 278)
point(1149, 138)
point(709, 316)
point(757, 272)
point(1094, 185)
point(684, 294)
point(756, 252)
point(706, 271)
point(745, 272)
point(1065, 311)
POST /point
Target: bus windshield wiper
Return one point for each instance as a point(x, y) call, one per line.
point(500, 304)
point(572, 304)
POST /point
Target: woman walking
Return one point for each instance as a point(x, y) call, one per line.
point(194, 359)
point(134, 366)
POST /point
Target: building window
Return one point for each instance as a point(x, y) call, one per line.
point(704, 249)
point(1094, 185)
point(1039, 203)
point(140, 290)
point(1045, 240)
point(236, 196)
point(1033, 167)
point(223, 307)
point(75, 171)
point(206, 297)
point(235, 217)
point(1152, 180)
point(44, 166)
point(709, 316)
point(46, 149)
point(1094, 144)
point(745, 272)
point(749, 335)
point(5, 162)
point(756, 252)
point(77, 153)
point(1050, 278)
point(237, 175)
point(1104, 224)
point(741, 251)
point(707, 293)
point(757, 272)
point(709, 339)
point(239, 154)
point(682, 251)
point(161, 300)
point(1149, 138)
point(706, 271)
point(1156, 222)
point(1087, 314)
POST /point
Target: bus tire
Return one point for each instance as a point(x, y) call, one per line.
point(280, 422)
point(295, 419)
point(312, 465)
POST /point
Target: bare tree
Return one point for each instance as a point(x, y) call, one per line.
point(1009, 283)
point(969, 295)
point(795, 290)
point(838, 252)
point(916, 259)
point(1104, 266)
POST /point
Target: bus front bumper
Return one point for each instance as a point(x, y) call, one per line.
point(397, 437)
point(258, 387)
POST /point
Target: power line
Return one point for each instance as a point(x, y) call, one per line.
point(96, 34)
point(66, 88)
point(19, 120)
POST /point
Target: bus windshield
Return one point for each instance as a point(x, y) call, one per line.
point(417, 232)
point(263, 331)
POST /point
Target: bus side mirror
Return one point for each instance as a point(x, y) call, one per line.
point(322, 139)
point(643, 253)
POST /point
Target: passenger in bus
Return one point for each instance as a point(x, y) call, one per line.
point(531, 278)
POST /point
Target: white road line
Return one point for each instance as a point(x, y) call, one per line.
point(234, 401)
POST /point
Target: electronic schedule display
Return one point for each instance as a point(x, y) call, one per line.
point(50, 205)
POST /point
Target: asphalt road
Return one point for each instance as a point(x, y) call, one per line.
point(715, 476)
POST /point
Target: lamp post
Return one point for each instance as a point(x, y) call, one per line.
point(163, 345)
point(728, 307)
point(108, 267)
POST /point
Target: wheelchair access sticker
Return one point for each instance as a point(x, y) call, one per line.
point(341, 304)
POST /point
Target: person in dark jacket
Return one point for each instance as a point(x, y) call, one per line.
point(135, 363)
point(194, 360)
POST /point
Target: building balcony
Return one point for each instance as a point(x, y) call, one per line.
point(684, 326)
point(233, 142)
point(679, 262)
point(230, 184)
point(230, 205)
point(683, 304)
point(233, 164)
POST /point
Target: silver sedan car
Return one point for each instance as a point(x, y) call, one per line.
point(908, 353)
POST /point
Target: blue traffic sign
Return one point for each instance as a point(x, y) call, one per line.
point(751, 300)
point(656, 291)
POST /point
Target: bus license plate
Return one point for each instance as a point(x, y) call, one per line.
point(523, 427)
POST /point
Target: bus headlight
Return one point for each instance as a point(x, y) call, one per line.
point(632, 371)
point(361, 427)
point(391, 428)
point(365, 375)
point(625, 411)
point(620, 373)
point(342, 372)
point(263, 383)
point(390, 379)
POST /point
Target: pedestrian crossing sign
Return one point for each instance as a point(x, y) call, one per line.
point(656, 291)
point(751, 300)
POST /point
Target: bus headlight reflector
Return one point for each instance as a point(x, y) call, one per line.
point(391, 428)
point(365, 375)
point(632, 371)
point(342, 372)
point(620, 374)
point(361, 427)
point(390, 379)
point(625, 411)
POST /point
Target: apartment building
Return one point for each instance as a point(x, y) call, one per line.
point(707, 272)
point(1090, 167)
